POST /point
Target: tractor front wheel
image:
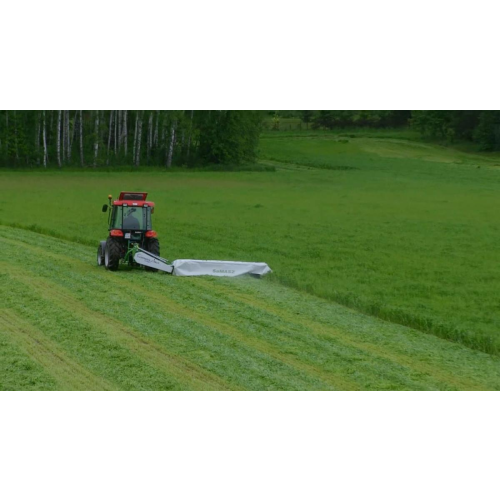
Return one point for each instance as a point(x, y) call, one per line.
point(112, 254)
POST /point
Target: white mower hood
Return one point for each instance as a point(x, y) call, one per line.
point(189, 267)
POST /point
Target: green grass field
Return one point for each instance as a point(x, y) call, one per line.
point(403, 233)
point(67, 324)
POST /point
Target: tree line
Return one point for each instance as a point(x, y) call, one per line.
point(141, 137)
point(186, 138)
point(479, 127)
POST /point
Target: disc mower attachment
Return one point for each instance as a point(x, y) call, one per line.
point(188, 267)
point(148, 259)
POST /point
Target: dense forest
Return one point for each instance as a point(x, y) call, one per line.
point(479, 127)
point(108, 138)
point(187, 138)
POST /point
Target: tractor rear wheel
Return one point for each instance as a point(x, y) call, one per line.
point(112, 254)
point(153, 246)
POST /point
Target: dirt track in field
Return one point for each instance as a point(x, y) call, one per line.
point(84, 328)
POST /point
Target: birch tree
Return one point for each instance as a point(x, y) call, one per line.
point(7, 133)
point(44, 142)
point(172, 141)
point(66, 136)
point(117, 120)
point(165, 137)
point(81, 138)
point(37, 137)
point(73, 134)
point(163, 134)
point(96, 138)
point(59, 138)
point(120, 120)
point(189, 135)
point(139, 140)
point(16, 146)
point(155, 137)
point(134, 149)
point(109, 134)
point(150, 134)
point(125, 133)
point(66, 133)
point(63, 136)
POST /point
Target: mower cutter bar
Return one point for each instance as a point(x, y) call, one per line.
point(148, 259)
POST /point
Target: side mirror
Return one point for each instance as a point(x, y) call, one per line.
point(105, 208)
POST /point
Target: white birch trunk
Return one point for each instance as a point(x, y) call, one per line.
point(81, 138)
point(150, 134)
point(73, 134)
point(59, 138)
point(125, 133)
point(15, 135)
point(67, 136)
point(163, 134)
point(117, 120)
point(37, 137)
point(7, 133)
point(155, 138)
point(120, 119)
point(189, 136)
point(109, 135)
point(44, 142)
point(63, 140)
point(134, 149)
point(96, 139)
point(171, 147)
point(139, 137)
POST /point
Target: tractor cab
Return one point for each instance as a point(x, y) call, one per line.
point(130, 212)
point(129, 222)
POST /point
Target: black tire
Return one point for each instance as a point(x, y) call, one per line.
point(153, 246)
point(101, 249)
point(112, 254)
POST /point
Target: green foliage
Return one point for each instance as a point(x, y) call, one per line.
point(482, 127)
point(191, 136)
point(487, 133)
point(230, 136)
point(307, 116)
point(342, 119)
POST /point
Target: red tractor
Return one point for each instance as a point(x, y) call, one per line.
point(130, 228)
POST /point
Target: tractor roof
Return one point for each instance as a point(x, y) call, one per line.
point(130, 203)
point(132, 195)
point(133, 199)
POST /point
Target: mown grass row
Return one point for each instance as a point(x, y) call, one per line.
point(137, 330)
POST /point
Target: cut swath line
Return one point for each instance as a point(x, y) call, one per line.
point(334, 381)
point(68, 374)
point(186, 373)
point(318, 329)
